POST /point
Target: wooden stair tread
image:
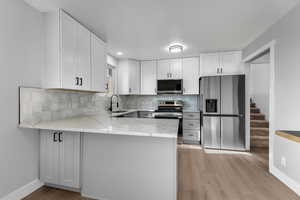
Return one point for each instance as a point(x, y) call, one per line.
point(259, 137)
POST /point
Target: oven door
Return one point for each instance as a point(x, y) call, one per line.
point(169, 86)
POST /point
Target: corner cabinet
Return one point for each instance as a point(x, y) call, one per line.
point(129, 77)
point(190, 75)
point(223, 63)
point(148, 77)
point(70, 55)
point(60, 158)
point(169, 69)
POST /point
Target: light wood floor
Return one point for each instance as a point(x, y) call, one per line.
point(210, 176)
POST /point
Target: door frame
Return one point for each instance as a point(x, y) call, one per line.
point(271, 48)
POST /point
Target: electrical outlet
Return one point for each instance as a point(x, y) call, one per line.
point(283, 161)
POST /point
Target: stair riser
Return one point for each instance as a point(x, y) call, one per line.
point(259, 132)
point(257, 117)
point(255, 110)
point(260, 124)
point(259, 143)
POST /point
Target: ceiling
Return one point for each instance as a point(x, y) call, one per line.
point(142, 29)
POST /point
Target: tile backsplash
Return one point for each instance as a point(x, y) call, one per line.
point(151, 102)
point(44, 105)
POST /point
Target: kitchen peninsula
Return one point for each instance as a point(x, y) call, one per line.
point(101, 156)
point(121, 158)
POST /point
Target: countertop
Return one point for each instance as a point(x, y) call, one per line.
point(291, 135)
point(164, 128)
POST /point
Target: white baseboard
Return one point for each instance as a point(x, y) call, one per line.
point(24, 190)
point(293, 185)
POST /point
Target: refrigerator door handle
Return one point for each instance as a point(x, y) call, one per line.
point(201, 118)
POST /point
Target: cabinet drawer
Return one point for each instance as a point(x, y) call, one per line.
point(189, 135)
point(191, 115)
point(191, 124)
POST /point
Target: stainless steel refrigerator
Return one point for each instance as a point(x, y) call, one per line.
point(222, 110)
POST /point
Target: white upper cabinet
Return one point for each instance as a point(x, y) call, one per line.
point(83, 64)
point(163, 69)
point(169, 69)
point(176, 68)
point(129, 77)
point(209, 64)
point(231, 63)
point(190, 73)
point(98, 53)
point(224, 63)
point(148, 77)
point(70, 55)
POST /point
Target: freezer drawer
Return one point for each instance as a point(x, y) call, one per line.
point(191, 115)
point(233, 133)
point(211, 132)
point(191, 136)
point(191, 124)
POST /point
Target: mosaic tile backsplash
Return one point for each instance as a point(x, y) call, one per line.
point(191, 102)
point(38, 105)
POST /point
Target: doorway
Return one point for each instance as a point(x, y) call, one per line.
point(260, 113)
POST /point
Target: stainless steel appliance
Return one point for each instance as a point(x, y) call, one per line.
point(222, 110)
point(169, 86)
point(170, 110)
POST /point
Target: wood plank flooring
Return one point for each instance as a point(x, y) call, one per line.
point(204, 176)
point(210, 176)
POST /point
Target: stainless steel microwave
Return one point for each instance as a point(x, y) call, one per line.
point(169, 86)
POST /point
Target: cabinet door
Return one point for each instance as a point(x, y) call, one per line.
point(83, 64)
point(99, 78)
point(123, 77)
point(176, 68)
point(68, 27)
point(69, 159)
point(209, 64)
point(148, 77)
point(134, 77)
point(231, 63)
point(190, 68)
point(49, 157)
point(163, 69)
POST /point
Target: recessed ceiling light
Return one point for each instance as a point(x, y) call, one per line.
point(119, 53)
point(176, 48)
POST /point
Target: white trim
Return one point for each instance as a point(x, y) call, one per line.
point(285, 179)
point(270, 46)
point(24, 190)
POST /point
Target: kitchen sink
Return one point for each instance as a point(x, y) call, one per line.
point(119, 111)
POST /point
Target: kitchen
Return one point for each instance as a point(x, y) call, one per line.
point(105, 121)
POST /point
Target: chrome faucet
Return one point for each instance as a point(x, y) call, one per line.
point(111, 102)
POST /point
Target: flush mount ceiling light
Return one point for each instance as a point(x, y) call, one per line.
point(176, 48)
point(119, 53)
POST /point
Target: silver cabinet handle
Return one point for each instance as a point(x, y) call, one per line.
point(191, 124)
point(191, 135)
point(218, 70)
point(221, 70)
point(77, 81)
point(81, 81)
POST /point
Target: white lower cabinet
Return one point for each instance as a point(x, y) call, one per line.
point(191, 127)
point(60, 158)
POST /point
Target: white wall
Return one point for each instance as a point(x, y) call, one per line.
point(21, 59)
point(259, 88)
point(286, 32)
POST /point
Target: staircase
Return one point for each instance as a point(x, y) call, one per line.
point(259, 128)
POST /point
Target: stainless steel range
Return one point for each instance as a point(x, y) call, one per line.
point(171, 109)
